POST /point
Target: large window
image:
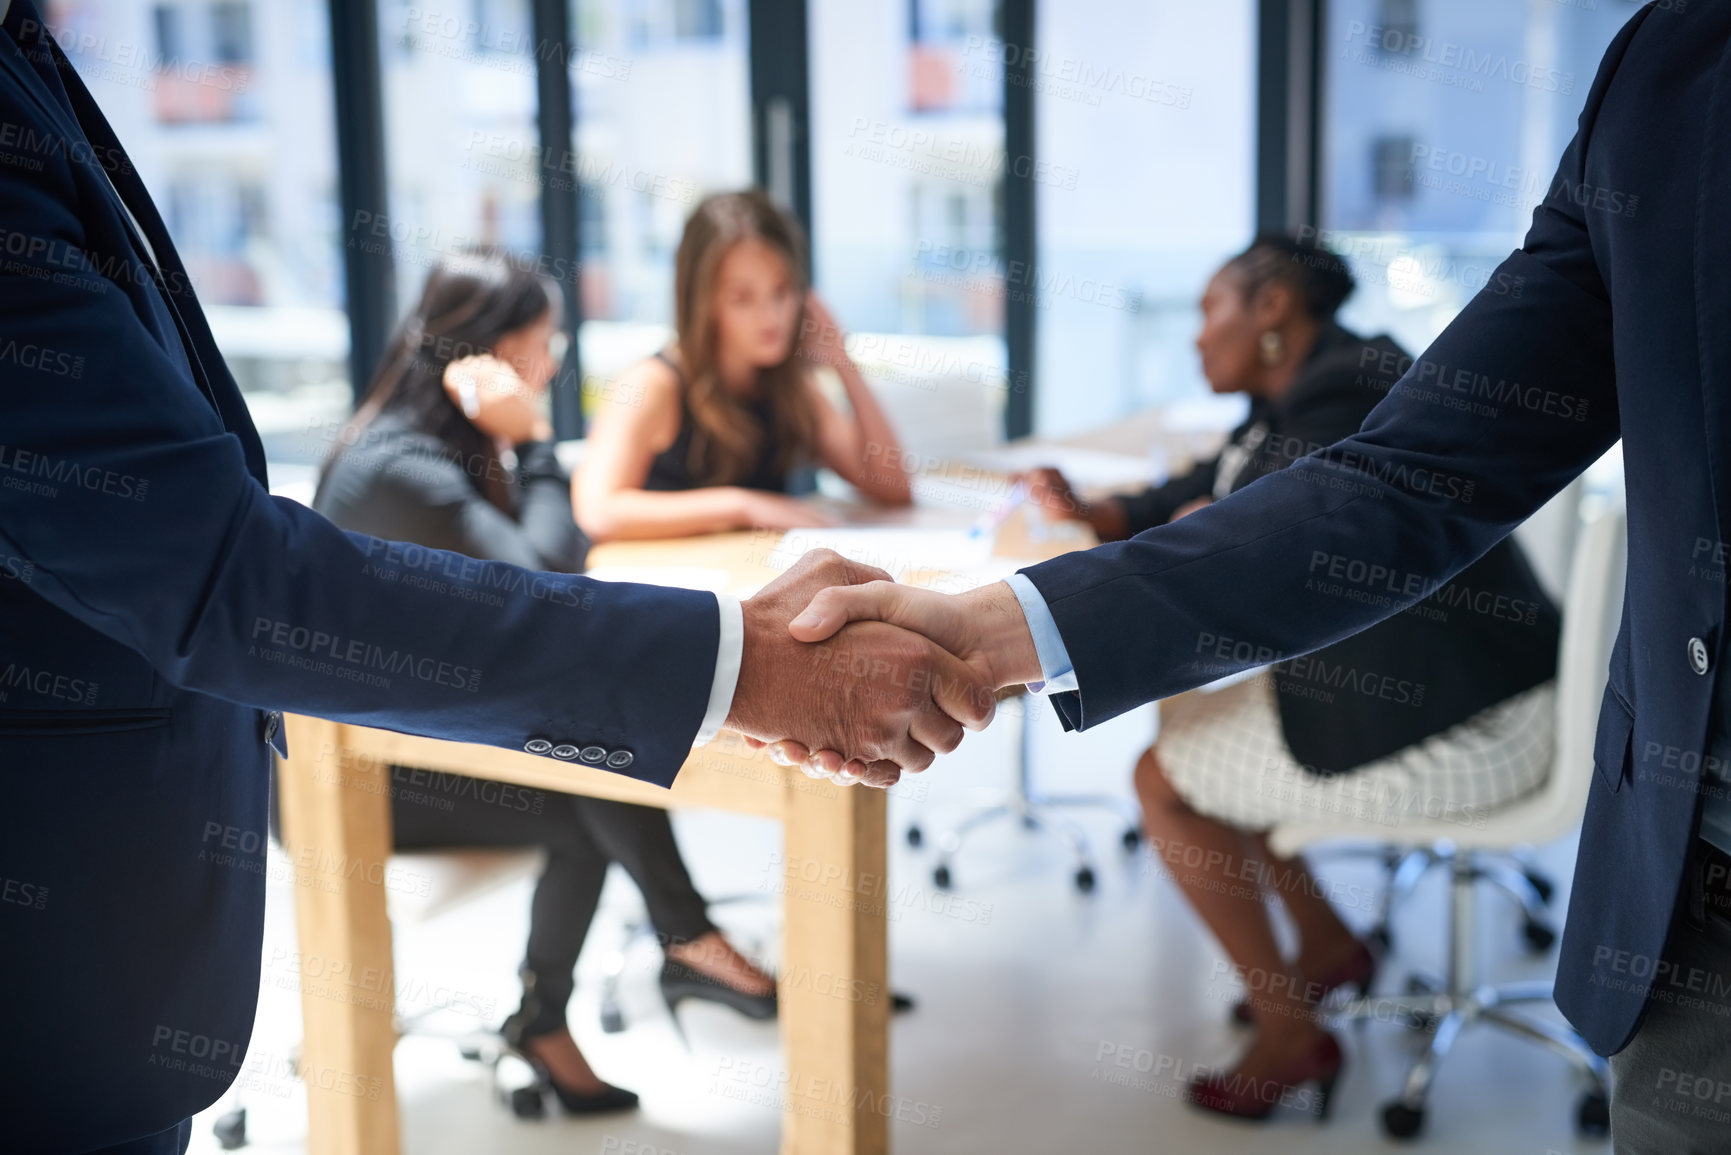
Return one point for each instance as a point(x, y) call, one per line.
point(663, 119)
point(907, 155)
point(907, 164)
point(225, 108)
point(1443, 122)
point(1440, 125)
point(465, 164)
point(1145, 131)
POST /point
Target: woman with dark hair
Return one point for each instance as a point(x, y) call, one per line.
point(450, 450)
point(1446, 709)
point(713, 425)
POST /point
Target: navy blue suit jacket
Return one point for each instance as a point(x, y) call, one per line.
point(1613, 319)
point(157, 606)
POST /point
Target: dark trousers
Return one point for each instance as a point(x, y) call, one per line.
point(173, 1141)
point(435, 810)
point(1671, 1091)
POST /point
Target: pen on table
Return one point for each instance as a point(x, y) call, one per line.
point(990, 522)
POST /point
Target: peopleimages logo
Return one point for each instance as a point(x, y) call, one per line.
point(34, 472)
point(317, 645)
point(46, 684)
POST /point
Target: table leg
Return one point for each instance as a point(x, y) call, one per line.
point(336, 828)
point(834, 992)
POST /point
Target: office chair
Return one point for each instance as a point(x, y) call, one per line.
point(1549, 538)
point(1442, 1008)
point(1037, 811)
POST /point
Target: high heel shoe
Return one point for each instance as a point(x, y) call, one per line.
point(680, 982)
point(1255, 1099)
point(608, 1100)
point(530, 1102)
point(1357, 973)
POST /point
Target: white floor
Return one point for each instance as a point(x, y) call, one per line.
point(1048, 1020)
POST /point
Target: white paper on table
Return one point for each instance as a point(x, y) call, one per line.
point(684, 577)
point(894, 549)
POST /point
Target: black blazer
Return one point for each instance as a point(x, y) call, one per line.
point(158, 607)
point(1487, 635)
point(399, 483)
point(1611, 321)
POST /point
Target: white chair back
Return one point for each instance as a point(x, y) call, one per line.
point(1592, 614)
point(1549, 537)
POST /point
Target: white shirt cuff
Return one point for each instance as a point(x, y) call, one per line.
point(728, 653)
point(1057, 674)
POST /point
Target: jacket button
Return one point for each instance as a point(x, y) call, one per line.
point(594, 755)
point(1698, 655)
point(620, 759)
point(537, 746)
point(565, 750)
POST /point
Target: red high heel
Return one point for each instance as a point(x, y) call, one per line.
point(1255, 1099)
point(1357, 973)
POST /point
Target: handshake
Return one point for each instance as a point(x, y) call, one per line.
point(850, 676)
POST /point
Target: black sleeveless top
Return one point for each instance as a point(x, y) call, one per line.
point(671, 468)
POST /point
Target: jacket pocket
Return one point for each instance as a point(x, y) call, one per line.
point(47, 723)
point(1612, 744)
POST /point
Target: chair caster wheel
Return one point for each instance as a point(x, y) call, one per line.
point(1540, 937)
point(1132, 838)
point(470, 1052)
point(526, 1103)
point(1400, 1121)
point(1085, 879)
point(1593, 1115)
point(915, 836)
point(941, 876)
point(1542, 886)
point(612, 1019)
point(230, 1130)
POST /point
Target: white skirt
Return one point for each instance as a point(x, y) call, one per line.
point(1224, 754)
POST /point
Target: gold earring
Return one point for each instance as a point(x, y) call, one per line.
point(1272, 348)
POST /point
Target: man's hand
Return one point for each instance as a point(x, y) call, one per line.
point(882, 698)
point(985, 628)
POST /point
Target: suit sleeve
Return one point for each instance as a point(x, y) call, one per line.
point(1423, 489)
point(137, 510)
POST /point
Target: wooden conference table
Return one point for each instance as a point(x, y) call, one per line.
point(335, 808)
